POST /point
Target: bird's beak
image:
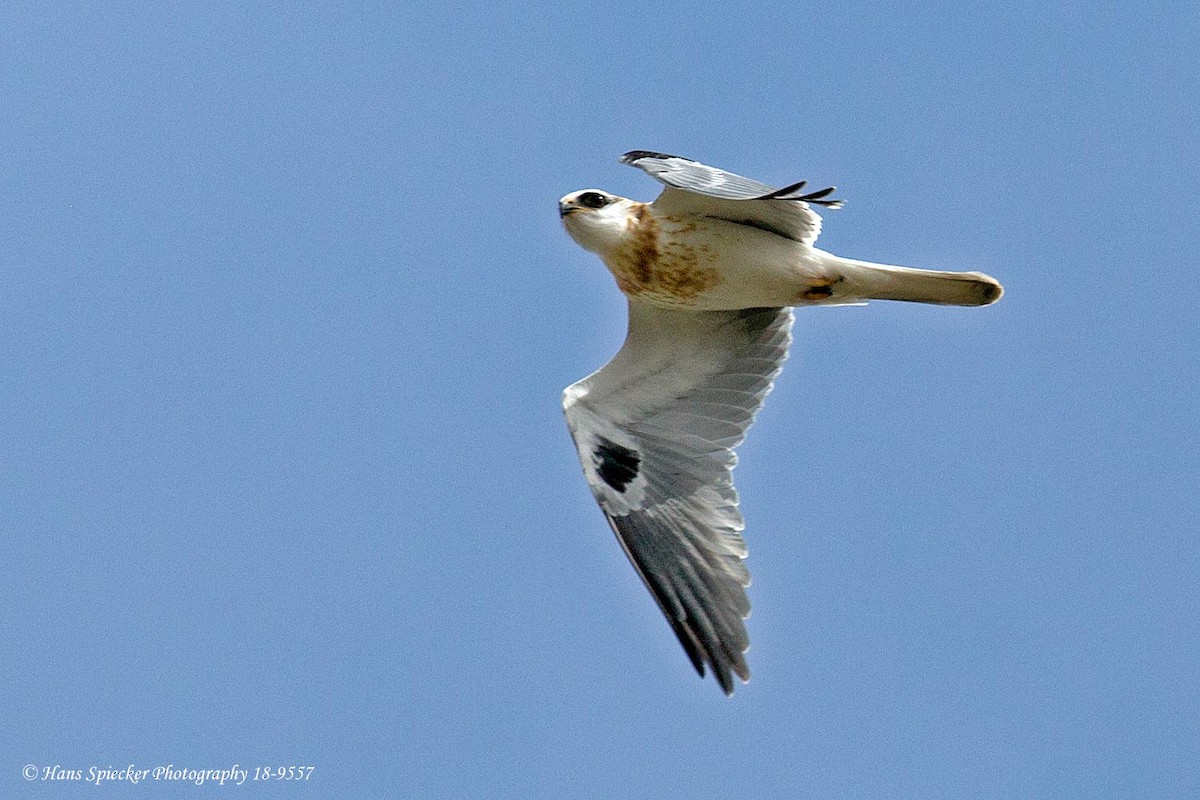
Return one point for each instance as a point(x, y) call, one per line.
point(565, 208)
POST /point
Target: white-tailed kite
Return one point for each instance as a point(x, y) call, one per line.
point(711, 270)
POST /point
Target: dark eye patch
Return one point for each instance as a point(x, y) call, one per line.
point(593, 200)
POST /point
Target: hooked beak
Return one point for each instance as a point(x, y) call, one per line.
point(565, 208)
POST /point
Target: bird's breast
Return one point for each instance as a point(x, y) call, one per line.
point(662, 260)
point(696, 262)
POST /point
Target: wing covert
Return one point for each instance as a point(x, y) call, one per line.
point(697, 188)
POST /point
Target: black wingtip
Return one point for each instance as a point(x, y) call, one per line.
point(726, 680)
point(816, 198)
point(781, 194)
point(702, 657)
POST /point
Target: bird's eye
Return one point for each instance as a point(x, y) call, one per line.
point(593, 200)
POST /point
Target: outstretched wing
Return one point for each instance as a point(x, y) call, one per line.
point(697, 188)
point(655, 429)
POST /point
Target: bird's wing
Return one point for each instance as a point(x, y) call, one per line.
point(655, 429)
point(697, 188)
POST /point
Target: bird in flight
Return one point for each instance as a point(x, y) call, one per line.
point(711, 270)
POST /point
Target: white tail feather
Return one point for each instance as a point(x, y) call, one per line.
point(862, 280)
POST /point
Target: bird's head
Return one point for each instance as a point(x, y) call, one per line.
point(597, 221)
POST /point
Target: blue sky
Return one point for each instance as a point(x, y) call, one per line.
point(286, 309)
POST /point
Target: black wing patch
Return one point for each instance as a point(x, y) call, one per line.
point(616, 465)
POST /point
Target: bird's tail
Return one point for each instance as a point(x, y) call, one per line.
point(862, 280)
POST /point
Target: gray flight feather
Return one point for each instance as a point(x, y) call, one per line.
point(655, 429)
